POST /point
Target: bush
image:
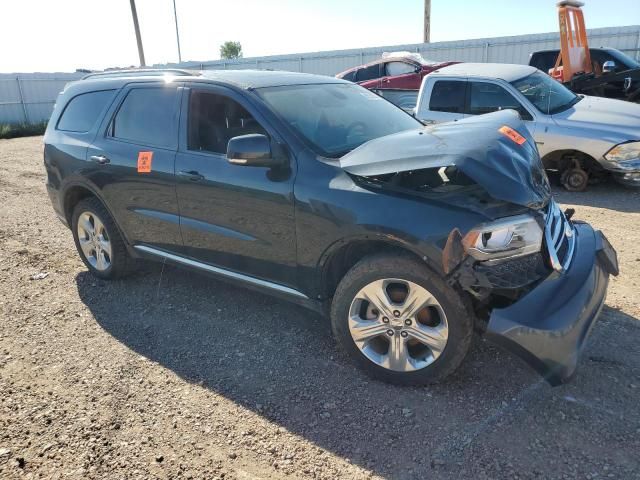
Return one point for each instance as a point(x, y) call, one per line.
point(14, 130)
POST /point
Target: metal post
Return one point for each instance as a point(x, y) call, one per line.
point(427, 21)
point(175, 17)
point(24, 106)
point(300, 63)
point(638, 47)
point(136, 27)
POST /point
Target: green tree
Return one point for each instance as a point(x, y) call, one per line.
point(230, 50)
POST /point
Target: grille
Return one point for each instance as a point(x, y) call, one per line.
point(560, 238)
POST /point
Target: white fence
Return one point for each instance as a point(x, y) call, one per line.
point(30, 97)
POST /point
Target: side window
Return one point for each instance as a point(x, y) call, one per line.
point(351, 76)
point(448, 96)
point(398, 68)
point(147, 116)
point(368, 73)
point(487, 97)
point(82, 111)
point(215, 119)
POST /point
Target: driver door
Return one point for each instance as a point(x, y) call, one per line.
point(234, 217)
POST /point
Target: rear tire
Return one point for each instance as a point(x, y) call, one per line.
point(400, 322)
point(98, 240)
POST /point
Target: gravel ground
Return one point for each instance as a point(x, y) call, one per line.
point(168, 374)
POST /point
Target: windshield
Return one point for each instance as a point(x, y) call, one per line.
point(336, 118)
point(546, 94)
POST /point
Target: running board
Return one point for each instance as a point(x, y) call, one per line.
point(221, 271)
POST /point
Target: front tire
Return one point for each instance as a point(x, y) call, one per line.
point(399, 321)
point(98, 240)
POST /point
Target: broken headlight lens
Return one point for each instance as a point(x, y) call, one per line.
point(624, 151)
point(505, 238)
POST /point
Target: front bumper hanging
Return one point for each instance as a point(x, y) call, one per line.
point(548, 327)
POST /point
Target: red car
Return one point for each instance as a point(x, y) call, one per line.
point(397, 76)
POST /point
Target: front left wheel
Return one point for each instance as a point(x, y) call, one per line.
point(98, 240)
point(400, 322)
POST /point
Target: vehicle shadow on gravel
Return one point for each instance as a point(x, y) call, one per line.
point(280, 361)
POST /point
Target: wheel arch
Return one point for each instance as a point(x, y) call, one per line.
point(560, 159)
point(340, 257)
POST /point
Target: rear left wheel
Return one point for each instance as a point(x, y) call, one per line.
point(98, 240)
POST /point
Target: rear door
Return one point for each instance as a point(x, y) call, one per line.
point(133, 159)
point(235, 217)
point(442, 100)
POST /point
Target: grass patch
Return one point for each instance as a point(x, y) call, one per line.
point(14, 130)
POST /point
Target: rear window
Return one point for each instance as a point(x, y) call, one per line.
point(82, 111)
point(147, 116)
point(448, 96)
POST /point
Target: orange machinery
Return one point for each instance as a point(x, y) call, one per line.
point(574, 57)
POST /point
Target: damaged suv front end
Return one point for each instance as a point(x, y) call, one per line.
point(537, 279)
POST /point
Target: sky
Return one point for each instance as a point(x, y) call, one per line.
point(62, 35)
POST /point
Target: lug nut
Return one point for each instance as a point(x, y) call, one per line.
point(375, 312)
point(385, 320)
point(404, 334)
point(390, 333)
point(396, 313)
point(407, 322)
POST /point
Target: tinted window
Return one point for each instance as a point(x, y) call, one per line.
point(82, 111)
point(351, 76)
point(544, 61)
point(147, 116)
point(336, 118)
point(215, 119)
point(399, 68)
point(368, 73)
point(488, 97)
point(448, 96)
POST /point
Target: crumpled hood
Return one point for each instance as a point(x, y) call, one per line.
point(605, 115)
point(507, 171)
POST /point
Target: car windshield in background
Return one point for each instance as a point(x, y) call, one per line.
point(546, 94)
point(336, 118)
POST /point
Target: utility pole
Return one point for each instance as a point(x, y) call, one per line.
point(134, 14)
point(175, 16)
point(427, 21)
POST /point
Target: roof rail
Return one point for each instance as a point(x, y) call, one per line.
point(150, 72)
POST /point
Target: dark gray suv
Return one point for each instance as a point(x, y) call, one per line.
point(318, 191)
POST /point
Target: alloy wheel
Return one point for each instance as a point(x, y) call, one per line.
point(94, 241)
point(398, 324)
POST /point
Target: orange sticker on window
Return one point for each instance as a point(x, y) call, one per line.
point(512, 134)
point(144, 162)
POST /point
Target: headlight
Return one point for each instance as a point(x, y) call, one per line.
point(624, 151)
point(507, 237)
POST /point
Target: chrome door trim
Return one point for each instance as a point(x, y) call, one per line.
point(221, 271)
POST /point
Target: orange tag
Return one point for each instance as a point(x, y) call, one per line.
point(512, 134)
point(144, 162)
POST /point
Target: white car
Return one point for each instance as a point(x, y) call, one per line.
point(578, 135)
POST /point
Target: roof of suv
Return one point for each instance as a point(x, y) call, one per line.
point(505, 71)
point(239, 78)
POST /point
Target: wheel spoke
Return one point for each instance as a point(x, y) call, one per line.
point(363, 330)
point(105, 245)
point(433, 337)
point(398, 356)
point(417, 299)
point(101, 262)
point(376, 294)
point(86, 246)
point(85, 224)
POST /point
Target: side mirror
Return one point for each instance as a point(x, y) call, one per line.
point(608, 66)
point(252, 150)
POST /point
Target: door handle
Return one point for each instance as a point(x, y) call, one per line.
point(191, 175)
point(100, 159)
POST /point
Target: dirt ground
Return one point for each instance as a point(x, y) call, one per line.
point(168, 374)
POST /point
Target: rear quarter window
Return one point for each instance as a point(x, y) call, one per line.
point(82, 111)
